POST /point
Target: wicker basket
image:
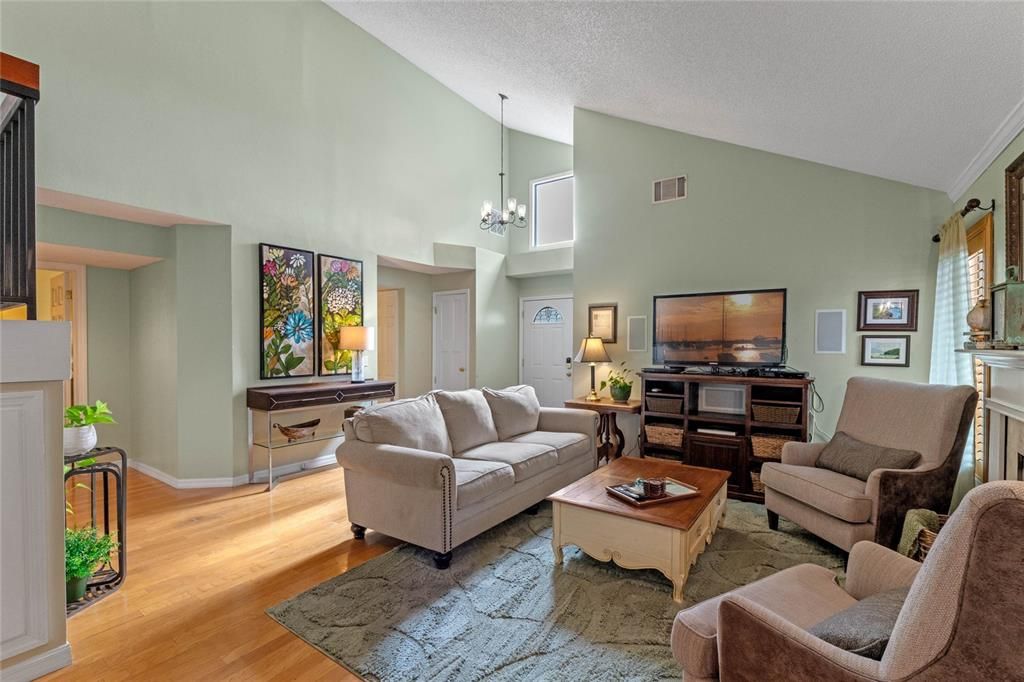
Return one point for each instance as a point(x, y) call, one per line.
point(664, 434)
point(667, 405)
point(755, 482)
point(926, 538)
point(776, 414)
point(768, 445)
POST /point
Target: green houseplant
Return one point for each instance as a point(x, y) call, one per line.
point(80, 426)
point(84, 551)
point(617, 384)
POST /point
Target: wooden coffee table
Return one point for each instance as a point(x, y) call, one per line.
point(667, 537)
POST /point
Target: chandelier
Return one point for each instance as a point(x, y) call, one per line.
point(514, 213)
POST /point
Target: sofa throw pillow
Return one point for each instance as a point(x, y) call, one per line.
point(411, 423)
point(515, 409)
point(846, 455)
point(468, 418)
point(865, 627)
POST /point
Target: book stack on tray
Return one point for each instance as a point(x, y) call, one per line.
point(634, 493)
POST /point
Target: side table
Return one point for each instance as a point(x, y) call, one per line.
point(609, 436)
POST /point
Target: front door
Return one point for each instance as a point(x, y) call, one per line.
point(451, 340)
point(547, 349)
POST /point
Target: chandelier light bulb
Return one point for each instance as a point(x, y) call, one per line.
point(504, 216)
point(512, 204)
point(486, 210)
point(522, 211)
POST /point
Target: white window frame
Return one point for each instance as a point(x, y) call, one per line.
point(534, 246)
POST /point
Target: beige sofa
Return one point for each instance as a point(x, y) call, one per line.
point(437, 470)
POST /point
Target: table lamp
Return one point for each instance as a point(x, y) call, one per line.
point(356, 339)
point(592, 351)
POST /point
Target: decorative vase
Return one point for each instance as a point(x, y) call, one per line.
point(75, 588)
point(79, 439)
point(620, 392)
point(980, 317)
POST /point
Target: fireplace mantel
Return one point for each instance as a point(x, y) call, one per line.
point(1009, 359)
point(1004, 413)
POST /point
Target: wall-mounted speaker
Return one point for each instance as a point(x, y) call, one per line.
point(830, 331)
point(636, 333)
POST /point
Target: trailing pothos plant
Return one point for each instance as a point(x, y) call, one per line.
point(87, 415)
point(617, 379)
point(68, 467)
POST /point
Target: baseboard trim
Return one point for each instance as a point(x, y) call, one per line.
point(226, 481)
point(37, 666)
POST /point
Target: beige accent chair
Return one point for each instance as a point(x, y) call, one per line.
point(404, 477)
point(961, 619)
point(933, 420)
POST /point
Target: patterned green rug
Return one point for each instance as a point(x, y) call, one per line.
point(503, 612)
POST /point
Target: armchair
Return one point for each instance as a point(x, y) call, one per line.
point(932, 420)
point(960, 621)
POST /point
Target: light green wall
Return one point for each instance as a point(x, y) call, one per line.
point(108, 334)
point(992, 185)
point(530, 158)
point(552, 285)
point(72, 228)
point(751, 220)
point(283, 120)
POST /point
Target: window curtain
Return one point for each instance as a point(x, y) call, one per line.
point(948, 327)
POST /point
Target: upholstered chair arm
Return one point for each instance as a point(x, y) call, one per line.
point(405, 466)
point(896, 491)
point(568, 420)
point(801, 454)
point(757, 645)
point(873, 569)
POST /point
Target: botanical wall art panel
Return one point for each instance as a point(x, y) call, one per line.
point(287, 340)
point(341, 305)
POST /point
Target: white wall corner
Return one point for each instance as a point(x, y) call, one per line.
point(1011, 126)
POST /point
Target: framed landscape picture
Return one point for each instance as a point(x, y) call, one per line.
point(341, 305)
point(287, 338)
point(603, 321)
point(890, 311)
point(890, 351)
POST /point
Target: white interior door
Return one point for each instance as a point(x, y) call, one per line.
point(546, 348)
point(387, 335)
point(451, 340)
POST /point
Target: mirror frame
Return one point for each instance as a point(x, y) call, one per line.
point(1014, 238)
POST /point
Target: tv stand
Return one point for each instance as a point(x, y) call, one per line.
point(729, 447)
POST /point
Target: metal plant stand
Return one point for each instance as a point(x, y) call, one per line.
point(113, 480)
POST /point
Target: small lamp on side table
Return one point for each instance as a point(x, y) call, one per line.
point(356, 339)
point(592, 351)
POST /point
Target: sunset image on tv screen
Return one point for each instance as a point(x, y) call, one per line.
point(742, 328)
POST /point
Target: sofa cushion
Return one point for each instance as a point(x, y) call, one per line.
point(468, 418)
point(515, 410)
point(835, 494)
point(477, 480)
point(846, 455)
point(526, 459)
point(411, 423)
point(803, 595)
point(569, 446)
point(865, 627)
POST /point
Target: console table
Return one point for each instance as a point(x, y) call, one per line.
point(609, 436)
point(329, 398)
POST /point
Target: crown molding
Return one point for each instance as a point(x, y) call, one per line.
point(1011, 126)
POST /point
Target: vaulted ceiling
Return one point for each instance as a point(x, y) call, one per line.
point(911, 91)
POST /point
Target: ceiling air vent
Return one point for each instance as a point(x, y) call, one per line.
point(669, 189)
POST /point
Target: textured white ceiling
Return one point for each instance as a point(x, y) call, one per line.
point(911, 91)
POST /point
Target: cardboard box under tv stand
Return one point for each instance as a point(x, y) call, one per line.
point(788, 398)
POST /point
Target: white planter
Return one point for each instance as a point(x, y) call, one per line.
point(79, 439)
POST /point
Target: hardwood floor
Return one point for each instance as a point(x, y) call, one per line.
point(202, 567)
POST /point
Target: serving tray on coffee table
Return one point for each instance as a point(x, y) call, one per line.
point(686, 490)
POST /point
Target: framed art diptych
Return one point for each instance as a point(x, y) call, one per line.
point(341, 305)
point(287, 339)
point(887, 311)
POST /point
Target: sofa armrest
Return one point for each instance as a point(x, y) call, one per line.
point(873, 569)
point(801, 454)
point(757, 645)
point(406, 466)
point(568, 420)
point(896, 491)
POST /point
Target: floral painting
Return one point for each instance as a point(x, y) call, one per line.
point(287, 341)
point(341, 305)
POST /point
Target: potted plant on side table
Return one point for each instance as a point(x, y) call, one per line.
point(80, 426)
point(85, 550)
point(618, 385)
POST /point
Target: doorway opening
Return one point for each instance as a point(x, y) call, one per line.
point(451, 340)
point(61, 296)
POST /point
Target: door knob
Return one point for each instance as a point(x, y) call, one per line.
point(462, 369)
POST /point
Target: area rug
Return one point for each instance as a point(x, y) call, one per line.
point(504, 612)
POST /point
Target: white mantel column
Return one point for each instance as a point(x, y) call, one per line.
point(1004, 412)
point(35, 360)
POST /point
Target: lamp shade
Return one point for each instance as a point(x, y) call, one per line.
point(592, 350)
point(355, 338)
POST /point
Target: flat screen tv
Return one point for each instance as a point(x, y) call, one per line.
point(746, 328)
